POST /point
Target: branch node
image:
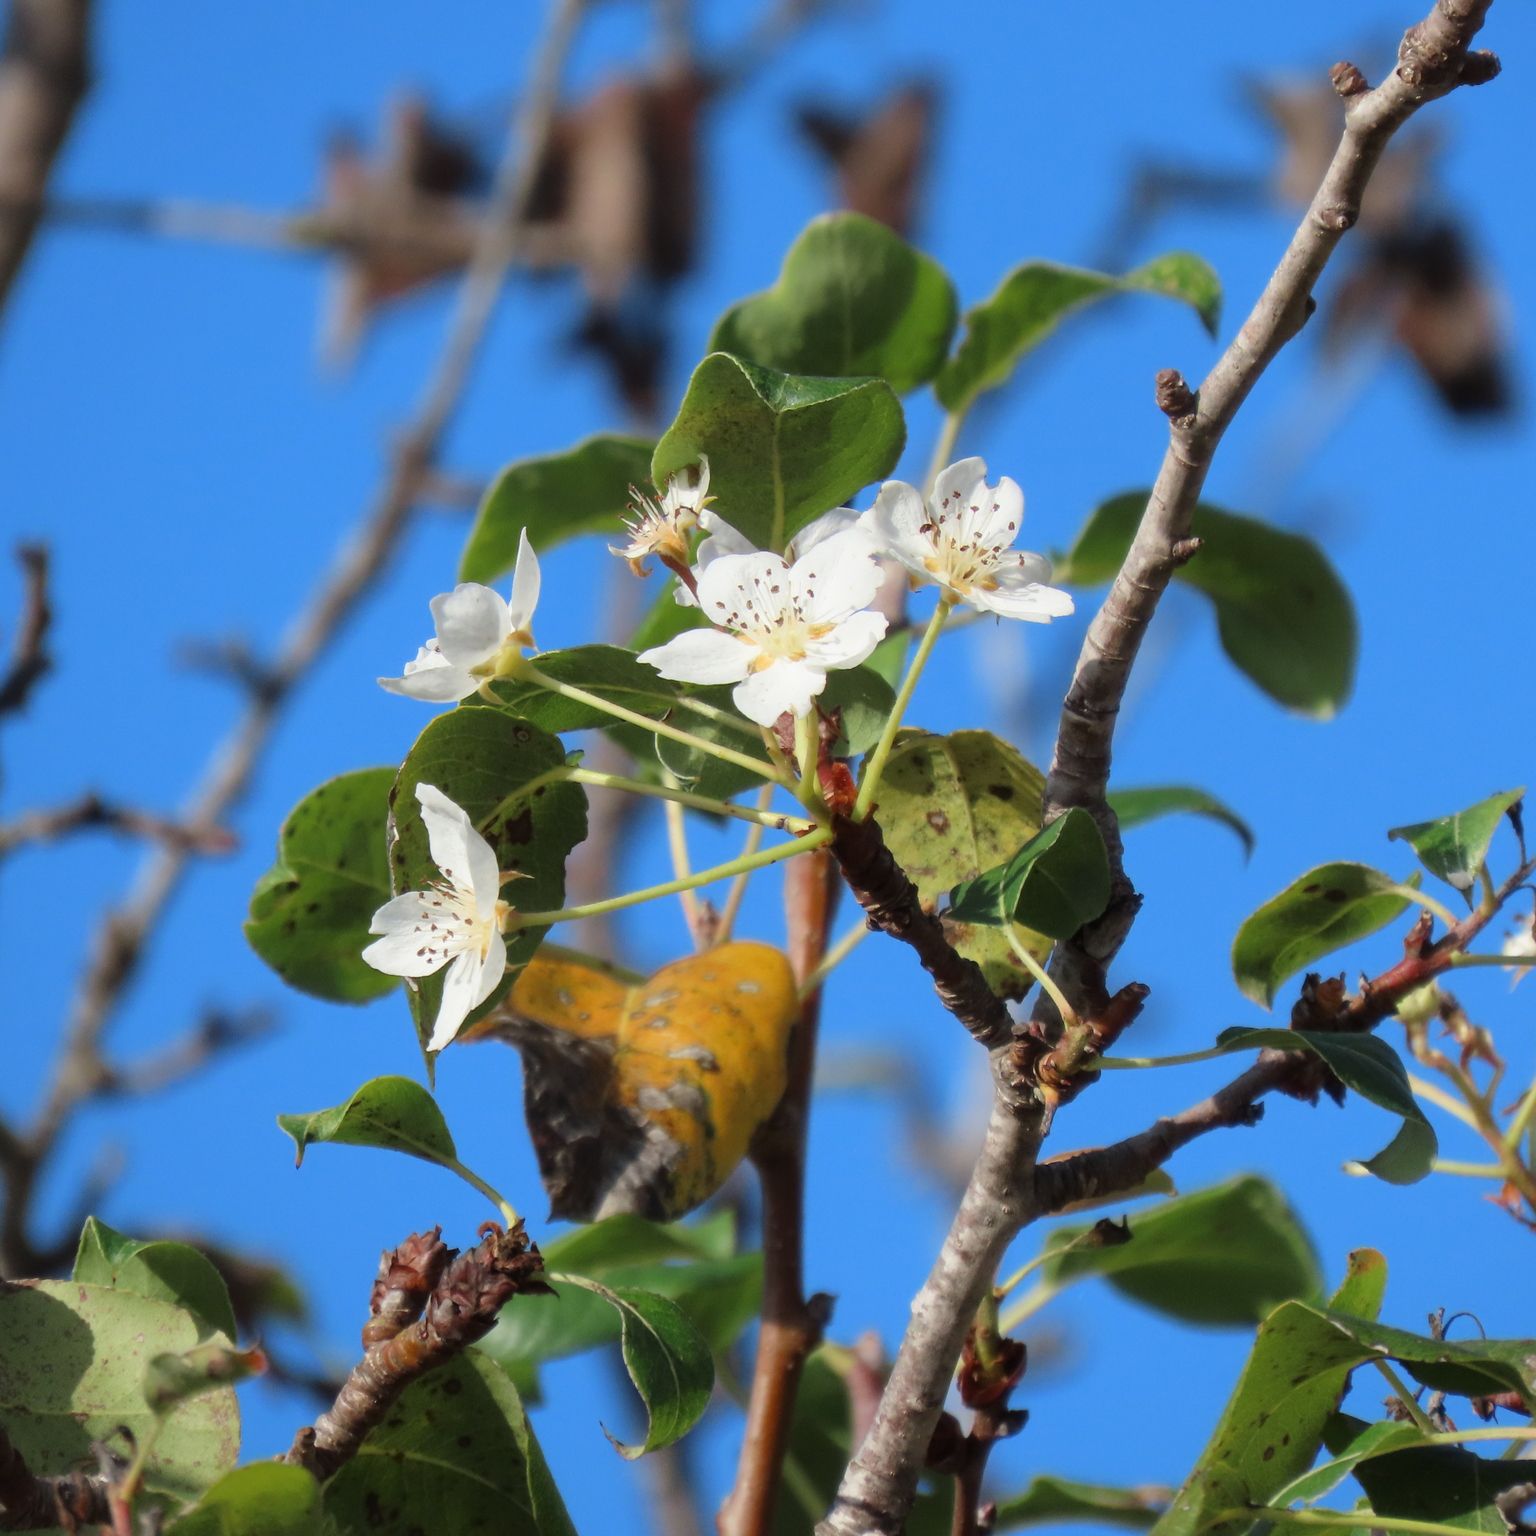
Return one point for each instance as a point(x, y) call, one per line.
point(1175, 399)
point(1348, 80)
point(1182, 551)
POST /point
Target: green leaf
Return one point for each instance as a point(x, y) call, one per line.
point(456, 1453)
point(950, 807)
point(1373, 1069)
point(718, 1290)
point(1321, 1480)
point(782, 448)
point(1284, 617)
point(667, 1359)
point(866, 700)
point(1053, 1500)
point(1455, 847)
point(481, 758)
point(1445, 1484)
point(665, 619)
point(1036, 297)
point(165, 1271)
point(266, 1499)
point(394, 1113)
point(1324, 910)
point(72, 1364)
point(1221, 1256)
point(853, 299)
point(310, 912)
point(1270, 1429)
point(1055, 883)
point(584, 490)
point(1135, 806)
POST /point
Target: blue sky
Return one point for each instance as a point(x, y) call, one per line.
point(163, 425)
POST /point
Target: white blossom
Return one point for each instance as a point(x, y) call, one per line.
point(455, 922)
point(662, 527)
point(1520, 944)
point(723, 539)
point(781, 626)
point(475, 625)
point(961, 539)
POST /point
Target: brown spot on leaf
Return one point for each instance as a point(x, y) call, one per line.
point(938, 821)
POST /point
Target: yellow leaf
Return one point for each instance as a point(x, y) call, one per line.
point(644, 1099)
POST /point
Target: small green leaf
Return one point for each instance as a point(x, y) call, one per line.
point(1373, 1069)
point(171, 1379)
point(1442, 1485)
point(608, 671)
point(950, 807)
point(1284, 617)
point(481, 758)
point(1326, 909)
point(72, 1364)
point(266, 1499)
point(1054, 1500)
point(310, 912)
point(1455, 847)
point(853, 299)
point(394, 1113)
point(696, 1266)
point(166, 1271)
point(1222, 1256)
point(456, 1454)
point(1134, 806)
point(667, 1359)
point(1055, 883)
point(1036, 297)
point(584, 490)
point(783, 448)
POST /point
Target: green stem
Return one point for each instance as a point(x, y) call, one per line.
point(834, 957)
point(1424, 899)
point(726, 924)
point(1468, 1170)
point(644, 722)
point(508, 1214)
point(943, 448)
point(1137, 1063)
point(678, 796)
point(682, 865)
point(808, 756)
point(1437, 1095)
point(1522, 1119)
point(1462, 961)
point(1343, 1519)
point(1069, 1017)
point(1032, 1303)
point(742, 865)
point(874, 765)
point(1405, 1397)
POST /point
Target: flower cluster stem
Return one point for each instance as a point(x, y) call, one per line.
point(683, 797)
point(875, 766)
point(743, 865)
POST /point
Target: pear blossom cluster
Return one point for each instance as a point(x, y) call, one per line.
point(778, 624)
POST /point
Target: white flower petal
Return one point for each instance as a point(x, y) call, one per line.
point(471, 623)
point(1015, 598)
point(723, 540)
point(461, 985)
point(958, 483)
point(702, 656)
point(780, 686)
point(828, 525)
point(404, 949)
point(838, 578)
point(1001, 512)
point(730, 582)
point(895, 524)
point(849, 644)
point(525, 588)
point(451, 836)
point(431, 677)
point(492, 968)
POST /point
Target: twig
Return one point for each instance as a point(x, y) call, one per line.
point(428, 1306)
point(91, 813)
point(792, 1322)
point(215, 1033)
point(124, 934)
point(29, 650)
point(1001, 1198)
point(44, 74)
point(32, 1503)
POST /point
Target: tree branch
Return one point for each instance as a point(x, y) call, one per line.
point(32, 1503)
point(90, 813)
point(429, 1304)
point(44, 74)
point(29, 650)
point(124, 934)
point(1001, 1197)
